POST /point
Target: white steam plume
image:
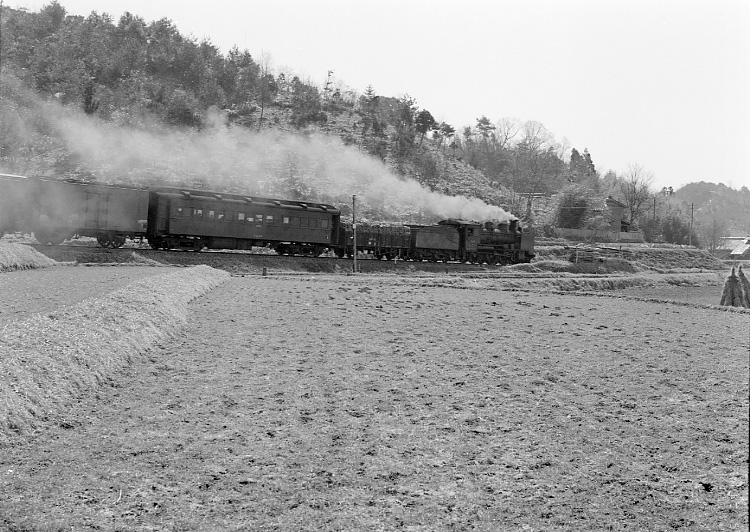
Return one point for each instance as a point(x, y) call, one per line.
point(277, 164)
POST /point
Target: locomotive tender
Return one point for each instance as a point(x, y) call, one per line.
point(182, 218)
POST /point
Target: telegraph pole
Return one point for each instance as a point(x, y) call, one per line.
point(354, 232)
point(1, 46)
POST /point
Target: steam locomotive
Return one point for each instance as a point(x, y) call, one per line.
point(182, 218)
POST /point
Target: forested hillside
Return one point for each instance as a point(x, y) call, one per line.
point(126, 100)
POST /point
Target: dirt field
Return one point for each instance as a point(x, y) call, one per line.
point(27, 292)
point(383, 403)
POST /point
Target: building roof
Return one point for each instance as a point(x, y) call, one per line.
point(610, 201)
point(741, 249)
point(731, 242)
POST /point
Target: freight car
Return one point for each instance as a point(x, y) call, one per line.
point(15, 212)
point(55, 210)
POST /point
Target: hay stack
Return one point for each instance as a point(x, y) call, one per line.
point(745, 284)
point(733, 295)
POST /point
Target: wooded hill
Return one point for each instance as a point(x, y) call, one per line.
point(125, 100)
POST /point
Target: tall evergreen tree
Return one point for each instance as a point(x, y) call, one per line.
point(423, 123)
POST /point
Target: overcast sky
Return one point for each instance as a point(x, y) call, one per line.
point(660, 83)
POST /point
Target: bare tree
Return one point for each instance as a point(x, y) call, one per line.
point(711, 231)
point(635, 187)
point(506, 130)
point(535, 169)
point(267, 87)
point(536, 136)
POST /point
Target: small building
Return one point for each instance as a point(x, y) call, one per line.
point(737, 247)
point(618, 229)
point(617, 215)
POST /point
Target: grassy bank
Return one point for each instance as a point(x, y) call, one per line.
point(50, 360)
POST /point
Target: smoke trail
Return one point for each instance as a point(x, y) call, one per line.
point(271, 163)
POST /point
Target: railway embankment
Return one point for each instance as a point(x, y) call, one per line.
point(549, 259)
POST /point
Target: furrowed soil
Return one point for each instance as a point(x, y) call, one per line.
point(27, 292)
point(386, 403)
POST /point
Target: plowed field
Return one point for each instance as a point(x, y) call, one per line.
point(376, 403)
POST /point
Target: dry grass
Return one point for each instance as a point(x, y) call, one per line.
point(569, 282)
point(642, 257)
point(606, 265)
point(49, 360)
point(20, 257)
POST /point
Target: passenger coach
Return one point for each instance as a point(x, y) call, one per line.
point(192, 219)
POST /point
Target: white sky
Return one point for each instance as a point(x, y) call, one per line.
point(661, 83)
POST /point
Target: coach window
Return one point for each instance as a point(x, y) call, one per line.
point(212, 214)
point(220, 215)
point(258, 218)
point(304, 222)
point(240, 216)
point(198, 213)
point(179, 211)
point(313, 223)
point(286, 220)
point(269, 219)
point(324, 224)
point(295, 221)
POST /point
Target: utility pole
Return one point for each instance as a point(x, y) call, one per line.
point(690, 231)
point(1, 47)
point(354, 232)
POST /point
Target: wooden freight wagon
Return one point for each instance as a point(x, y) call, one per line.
point(109, 213)
point(381, 241)
point(16, 194)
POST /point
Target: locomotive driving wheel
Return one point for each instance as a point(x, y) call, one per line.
point(103, 240)
point(110, 240)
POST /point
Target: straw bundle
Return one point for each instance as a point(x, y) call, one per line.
point(733, 295)
point(745, 284)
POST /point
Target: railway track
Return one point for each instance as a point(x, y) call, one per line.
point(244, 261)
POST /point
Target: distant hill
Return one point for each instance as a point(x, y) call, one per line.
point(717, 203)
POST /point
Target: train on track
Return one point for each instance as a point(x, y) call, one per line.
point(181, 218)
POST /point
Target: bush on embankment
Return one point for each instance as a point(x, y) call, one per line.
point(50, 360)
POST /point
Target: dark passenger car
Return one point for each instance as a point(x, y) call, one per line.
point(192, 219)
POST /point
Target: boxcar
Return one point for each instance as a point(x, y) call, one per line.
point(107, 212)
point(381, 241)
point(16, 196)
point(192, 219)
